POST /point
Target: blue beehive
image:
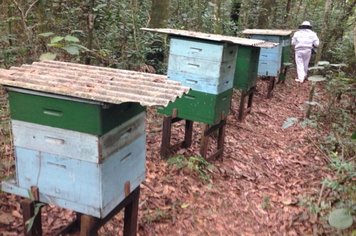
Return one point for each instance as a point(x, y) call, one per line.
point(83, 172)
point(79, 132)
point(203, 65)
point(271, 59)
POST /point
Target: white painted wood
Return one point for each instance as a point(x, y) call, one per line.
point(82, 186)
point(75, 144)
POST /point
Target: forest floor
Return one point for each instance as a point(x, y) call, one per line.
point(261, 187)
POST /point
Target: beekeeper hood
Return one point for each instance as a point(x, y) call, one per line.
point(305, 25)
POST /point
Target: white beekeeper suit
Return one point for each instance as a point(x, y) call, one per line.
point(304, 40)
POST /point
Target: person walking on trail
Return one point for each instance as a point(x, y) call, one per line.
point(304, 40)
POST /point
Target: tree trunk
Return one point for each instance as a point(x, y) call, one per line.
point(218, 29)
point(90, 28)
point(355, 40)
point(159, 17)
point(328, 4)
point(287, 13)
point(265, 13)
point(159, 13)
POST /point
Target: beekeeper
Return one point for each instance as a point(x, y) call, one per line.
point(304, 40)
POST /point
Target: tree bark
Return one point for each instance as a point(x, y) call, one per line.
point(355, 40)
point(265, 13)
point(218, 29)
point(90, 28)
point(159, 13)
point(327, 10)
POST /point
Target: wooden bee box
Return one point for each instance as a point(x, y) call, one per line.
point(201, 107)
point(271, 59)
point(79, 171)
point(69, 113)
point(204, 66)
point(246, 67)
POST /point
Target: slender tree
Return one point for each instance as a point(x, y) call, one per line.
point(159, 13)
point(327, 10)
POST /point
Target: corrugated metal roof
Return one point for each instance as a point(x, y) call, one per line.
point(278, 32)
point(215, 37)
point(94, 83)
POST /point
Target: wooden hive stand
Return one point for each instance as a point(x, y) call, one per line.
point(83, 225)
point(207, 132)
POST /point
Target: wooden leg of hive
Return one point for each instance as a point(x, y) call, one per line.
point(242, 106)
point(188, 134)
point(270, 87)
point(204, 142)
point(29, 214)
point(221, 139)
point(250, 99)
point(88, 225)
point(131, 213)
point(166, 137)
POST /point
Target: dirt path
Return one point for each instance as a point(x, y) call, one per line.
point(266, 174)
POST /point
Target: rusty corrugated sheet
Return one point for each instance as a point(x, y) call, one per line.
point(94, 83)
point(215, 37)
point(277, 32)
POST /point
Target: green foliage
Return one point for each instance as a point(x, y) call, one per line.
point(68, 43)
point(340, 218)
point(290, 121)
point(156, 216)
point(195, 164)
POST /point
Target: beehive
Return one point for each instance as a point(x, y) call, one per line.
point(80, 137)
point(201, 107)
point(271, 59)
point(205, 63)
point(246, 67)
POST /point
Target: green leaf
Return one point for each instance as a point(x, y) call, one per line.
point(353, 136)
point(340, 218)
point(323, 63)
point(289, 122)
point(56, 39)
point(72, 49)
point(313, 103)
point(71, 39)
point(316, 78)
point(47, 34)
point(48, 56)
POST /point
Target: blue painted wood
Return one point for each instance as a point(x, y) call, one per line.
point(202, 84)
point(266, 55)
point(202, 49)
point(270, 60)
point(82, 186)
point(204, 66)
point(269, 68)
point(77, 145)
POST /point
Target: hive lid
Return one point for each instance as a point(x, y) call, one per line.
point(277, 32)
point(215, 37)
point(93, 83)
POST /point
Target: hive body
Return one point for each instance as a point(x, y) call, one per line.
point(79, 154)
point(246, 67)
point(271, 59)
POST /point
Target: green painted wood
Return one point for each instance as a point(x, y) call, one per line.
point(246, 67)
point(201, 107)
point(76, 115)
point(286, 54)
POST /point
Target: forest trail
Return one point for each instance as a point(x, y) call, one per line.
point(259, 188)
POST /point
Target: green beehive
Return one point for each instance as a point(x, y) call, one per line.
point(246, 67)
point(72, 114)
point(200, 107)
